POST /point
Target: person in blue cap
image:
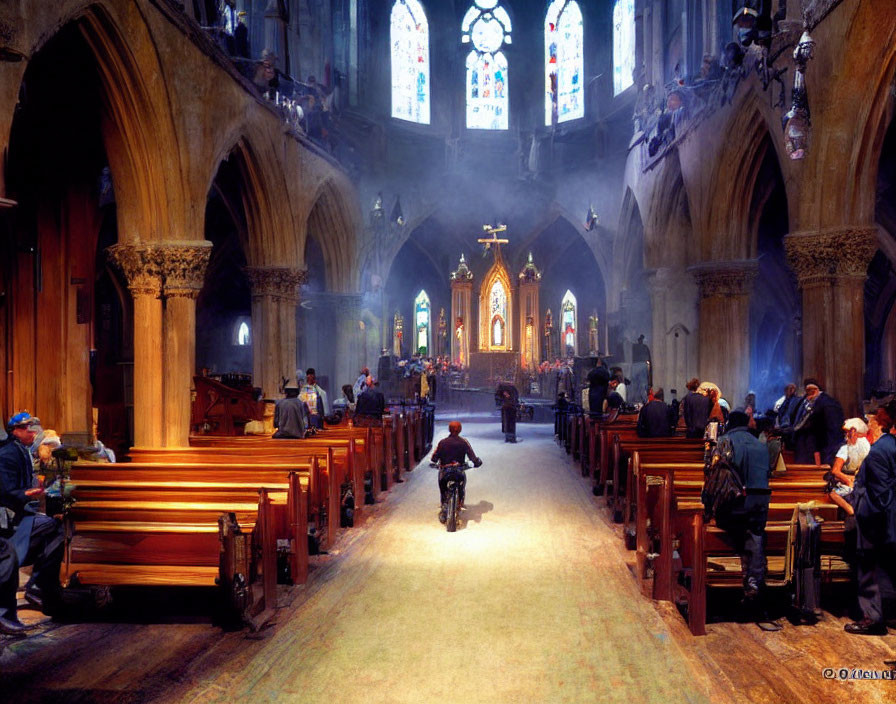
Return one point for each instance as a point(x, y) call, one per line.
point(37, 539)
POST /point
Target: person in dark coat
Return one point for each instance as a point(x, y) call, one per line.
point(745, 521)
point(874, 502)
point(38, 539)
point(654, 420)
point(695, 410)
point(508, 398)
point(9, 584)
point(370, 406)
point(818, 426)
point(598, 383)
point(290, 415)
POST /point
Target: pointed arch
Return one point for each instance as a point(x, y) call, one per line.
point(333, 222)
point(423, 324)
point(140, 138)
point(496, 308)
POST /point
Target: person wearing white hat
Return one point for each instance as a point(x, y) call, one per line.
point(848, 460)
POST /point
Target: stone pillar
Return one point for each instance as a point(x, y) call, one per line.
point(140, 264)
point(831, 267)
point(724, 325)
point(275, 295)
point(674, 304)
point(183, 268)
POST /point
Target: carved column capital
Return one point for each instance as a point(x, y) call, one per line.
point(183, 267)
point(141, 265)
point(725, 279)
point(279, 282)
point(843, 252)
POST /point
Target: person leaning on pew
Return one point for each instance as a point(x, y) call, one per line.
point(874, 501)
point(745, 521)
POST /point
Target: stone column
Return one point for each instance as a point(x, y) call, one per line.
point(275, 295)
point(183, 268)
point(674, 304)
point(140, 265)
point(831, 267)
point(724, 325)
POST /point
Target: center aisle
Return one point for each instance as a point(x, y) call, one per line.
point(530, 600)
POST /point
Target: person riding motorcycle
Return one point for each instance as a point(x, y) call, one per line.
point(451, 450)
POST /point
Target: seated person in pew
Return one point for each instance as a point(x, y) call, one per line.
point(9, 584)
point(37, 539)
point(745, 521)
point(847, 462)
point(695, 408)
point(315, 398)
point(290, 415)
point(654, 420)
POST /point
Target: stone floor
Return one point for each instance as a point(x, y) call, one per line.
point(532, 599)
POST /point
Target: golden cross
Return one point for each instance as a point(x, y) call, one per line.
point(493, 231)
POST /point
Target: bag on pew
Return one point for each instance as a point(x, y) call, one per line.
point(807, 564)
point(347, 506)
point(722, 484)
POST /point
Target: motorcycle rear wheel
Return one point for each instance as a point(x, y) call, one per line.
point(451, 523)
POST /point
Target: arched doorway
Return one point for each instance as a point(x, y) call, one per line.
point(224, 306)
point(69, 339)
point(775, 306)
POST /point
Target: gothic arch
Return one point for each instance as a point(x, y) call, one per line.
point(334, 221)
point(666, 230)
point(138, 130)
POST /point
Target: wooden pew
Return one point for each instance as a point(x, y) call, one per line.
point(603, 449)
point(702, 544)
point(681, 484)
point(151, 524)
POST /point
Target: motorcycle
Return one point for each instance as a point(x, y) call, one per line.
point(454, 477)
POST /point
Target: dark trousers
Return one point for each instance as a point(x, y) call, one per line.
point(9, 579)
point(45, 552)
point(745, 526)
point(876, 578)
point(446, 473)
point(508, 422)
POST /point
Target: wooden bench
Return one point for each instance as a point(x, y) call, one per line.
point(151, 524)
point(673, 515)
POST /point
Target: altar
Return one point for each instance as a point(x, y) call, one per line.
point(487, 368)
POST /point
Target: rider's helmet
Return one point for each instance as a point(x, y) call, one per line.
point(454, 427)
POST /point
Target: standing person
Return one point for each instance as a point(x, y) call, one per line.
point(508, 398)
point(38, 540)
point(450, 450)
point(874, 501)
point(654, 420)
point(598, 385)
point(817, 430)
point(9, 584)
point(361, 383)
point(315, 398)
point(745, 521)
point(370, 406)
point(290, 415)
point(695, 408)
point(785, 410)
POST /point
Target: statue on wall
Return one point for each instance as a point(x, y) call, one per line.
point(397, 333)
point(593, 323)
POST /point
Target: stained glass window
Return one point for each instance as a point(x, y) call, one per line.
point(564, 62)
point(421, 323)
point(623, 45)
point(498, 308)
point(568, 322)
point(410, 62)
point(487, 27)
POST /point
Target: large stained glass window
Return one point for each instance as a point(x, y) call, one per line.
point(498, 308)
point(422, 323)
point(410, 62)
point(564, 62)
point(623, 45)
point(487, 27)
point(568, 323)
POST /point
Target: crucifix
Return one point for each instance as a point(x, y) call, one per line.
point(493, 240)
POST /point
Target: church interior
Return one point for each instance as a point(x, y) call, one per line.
point(443, 210)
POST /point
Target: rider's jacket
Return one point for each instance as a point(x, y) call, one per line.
point(452, 449)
